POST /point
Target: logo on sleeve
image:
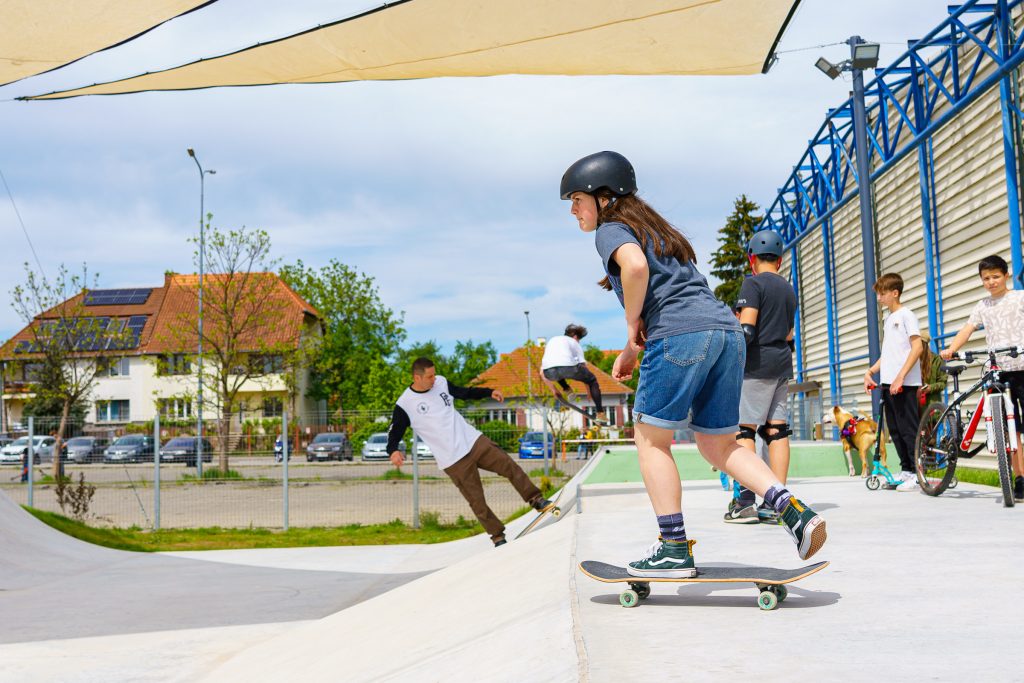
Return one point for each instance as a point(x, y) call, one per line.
point(446, 398)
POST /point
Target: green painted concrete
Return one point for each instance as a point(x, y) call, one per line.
point(806, 460)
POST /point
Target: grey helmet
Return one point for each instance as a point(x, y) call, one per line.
point(765, 242)
point(604, 169)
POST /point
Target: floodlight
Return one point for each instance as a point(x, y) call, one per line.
point(865, 55)
point(828, 68)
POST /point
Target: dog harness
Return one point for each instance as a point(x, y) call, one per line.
point(850, 428)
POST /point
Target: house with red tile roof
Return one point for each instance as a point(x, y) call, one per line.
point(517, 376)
point(151, 368)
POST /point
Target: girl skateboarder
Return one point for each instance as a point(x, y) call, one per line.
point(694, 352)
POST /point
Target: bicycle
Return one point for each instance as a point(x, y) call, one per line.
point(942, 439)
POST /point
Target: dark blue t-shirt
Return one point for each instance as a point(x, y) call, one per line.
point(678, 298)
point(768, 355)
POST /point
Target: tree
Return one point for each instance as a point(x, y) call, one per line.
point(360, 331)
point(729, 262)
point(245, 342)
point(68, 345)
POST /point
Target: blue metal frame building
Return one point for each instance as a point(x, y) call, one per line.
point(907, 102)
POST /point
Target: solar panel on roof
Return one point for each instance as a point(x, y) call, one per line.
point(117, 297)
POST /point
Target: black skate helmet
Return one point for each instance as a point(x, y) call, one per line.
point(765, 242)
point(604, 169)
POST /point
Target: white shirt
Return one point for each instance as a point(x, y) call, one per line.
point(432, 414)
point(562, 351)
point(899, 328)
point(1003, 322)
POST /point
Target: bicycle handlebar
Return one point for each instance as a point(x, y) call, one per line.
point(972, 356)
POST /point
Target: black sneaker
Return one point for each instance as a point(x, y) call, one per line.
point(740, 514)
point(1018, 489)
point(766, 514)
point(500, 541)
point(542, 504)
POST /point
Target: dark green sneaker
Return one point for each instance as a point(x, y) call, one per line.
point(543, 505)
point(740, 514)
point(666, 559)
point(805, 526)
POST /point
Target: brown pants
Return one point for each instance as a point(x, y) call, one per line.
point(465, 474)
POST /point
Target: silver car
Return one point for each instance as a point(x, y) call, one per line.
point(376, 447)
point(83, 449)
point(42, 449)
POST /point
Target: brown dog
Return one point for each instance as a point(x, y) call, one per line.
point(860, 433)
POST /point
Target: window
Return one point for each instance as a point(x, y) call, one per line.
point(609, 415)
point(502, 415)
point(175, 408)
point(112, 367)
point(175, 364)
point(273, 406)
point(266, 365)
point(112, 411)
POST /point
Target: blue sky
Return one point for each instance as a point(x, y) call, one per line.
point(445, 191)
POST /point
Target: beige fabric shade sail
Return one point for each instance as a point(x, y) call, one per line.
point(42, 35)
point(434, 38)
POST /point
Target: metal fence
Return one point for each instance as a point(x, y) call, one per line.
point(157, 487)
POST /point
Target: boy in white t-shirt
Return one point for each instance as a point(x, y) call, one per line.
point(1001, 315)
point(900, 374)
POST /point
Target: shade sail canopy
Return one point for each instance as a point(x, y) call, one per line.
point(42, 35)
point(434, 38)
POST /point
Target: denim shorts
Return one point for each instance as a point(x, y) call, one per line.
point(700, 372)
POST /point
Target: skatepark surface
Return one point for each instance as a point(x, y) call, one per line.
point(918, 588)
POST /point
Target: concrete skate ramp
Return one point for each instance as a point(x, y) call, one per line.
point(53, 587)
point(502, 615)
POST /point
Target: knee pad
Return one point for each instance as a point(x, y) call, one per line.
point(746, 433)
point(782, 431)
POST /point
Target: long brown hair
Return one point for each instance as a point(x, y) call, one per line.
point(647, 224)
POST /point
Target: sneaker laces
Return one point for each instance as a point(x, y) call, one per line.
point(653, 550)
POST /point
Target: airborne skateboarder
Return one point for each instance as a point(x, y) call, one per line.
point(461, 450)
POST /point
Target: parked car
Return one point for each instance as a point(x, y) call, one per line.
point(4, 440)
point(423, 451)
point(183, 449)
point(329, 446)
point(376, 446)
point(42, 450)
point(130, 448)
point(83, 449)
point(531, 445)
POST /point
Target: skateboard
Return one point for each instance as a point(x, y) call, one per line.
point(554, 511)
point(572, 406)
point(769, 581)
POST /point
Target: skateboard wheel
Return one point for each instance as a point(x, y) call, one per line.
point(953, 482)
point(629, 598)
point(643, 590)
point(767, 600)
point(781, 592)
point(872, 483)
point(556, 512)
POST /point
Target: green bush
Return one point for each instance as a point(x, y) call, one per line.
point(503, 434)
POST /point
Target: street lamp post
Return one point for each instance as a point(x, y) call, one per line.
point(863, 55)
point(529, 360)
point(199, 359)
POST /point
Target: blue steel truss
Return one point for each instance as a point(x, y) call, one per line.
point(940, 75)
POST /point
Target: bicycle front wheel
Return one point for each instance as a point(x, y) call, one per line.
point(936, 448)
point(998, 428)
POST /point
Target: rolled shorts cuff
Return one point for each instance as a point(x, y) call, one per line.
point(643, 418)
point(714, 430)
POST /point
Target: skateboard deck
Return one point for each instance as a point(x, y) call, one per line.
point(572, 406)
point(770, 581)
point(553, 511)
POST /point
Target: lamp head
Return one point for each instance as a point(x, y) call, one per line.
point(191, 153)
point(828, 68)
point(865, 55)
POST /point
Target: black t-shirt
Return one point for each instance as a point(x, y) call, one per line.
point(768, 356)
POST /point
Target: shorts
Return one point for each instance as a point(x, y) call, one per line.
point(697, 375)
point(1015, 379)
point(562, 372)
point(763, 401)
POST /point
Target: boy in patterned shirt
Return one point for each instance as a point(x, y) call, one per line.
point(1001, 315)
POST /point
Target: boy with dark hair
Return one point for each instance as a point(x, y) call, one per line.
point(767, 311)
point(563, 360)
point(459, 449)
point(1001, 315)
point(900, 375)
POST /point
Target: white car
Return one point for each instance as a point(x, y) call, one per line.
point(42, 449)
